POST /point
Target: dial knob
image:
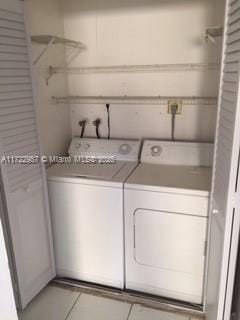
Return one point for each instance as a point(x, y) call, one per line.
point(124, 148)
point(156, 150)
point(86, 146)
point(77, 145)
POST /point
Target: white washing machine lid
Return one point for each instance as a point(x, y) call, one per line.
point(94, 171)
point(172, 179)
point(109, 174)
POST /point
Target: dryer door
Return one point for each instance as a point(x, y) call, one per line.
point(170, 241)
point(165, 249)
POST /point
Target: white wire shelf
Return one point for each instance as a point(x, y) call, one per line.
point(45, 39)
point(49, 40)
point(136, 100)
point(138, 68)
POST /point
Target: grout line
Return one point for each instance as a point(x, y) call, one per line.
point(71, 309)
point(130, 310)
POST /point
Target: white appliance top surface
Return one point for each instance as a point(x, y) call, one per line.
point(177, 153)
point(96, 171)
point(169, 178)
point(127, 150)
point(104, 174)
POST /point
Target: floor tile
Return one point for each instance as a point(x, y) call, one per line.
point(52, 303)
point(141, 313)
point(97, 308)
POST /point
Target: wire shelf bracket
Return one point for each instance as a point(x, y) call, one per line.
point(50, 40)
point(213, 32)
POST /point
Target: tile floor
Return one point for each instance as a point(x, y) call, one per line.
point(55, 303)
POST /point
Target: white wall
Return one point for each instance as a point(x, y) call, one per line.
point(144, 32)
point(44, 17)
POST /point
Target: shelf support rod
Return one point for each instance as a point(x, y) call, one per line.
point(44, 50)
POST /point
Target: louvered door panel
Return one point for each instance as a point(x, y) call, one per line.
point(12, 41)
point(10, 127)
point(4, 88)
point(14, 80)
point(12, 49)
point(223, 223)
point(24, 184)
point(16, 97)
point(13, 65)
point(229, 102)
point(14, 110)
point(9, 56)
point(14, 73)
point(16, 131)
point(6, 14)
point(5, 96)
point(14, 33)
point(15, 103)
point(11, 25)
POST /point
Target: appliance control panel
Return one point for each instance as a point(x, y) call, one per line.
point(177, 153)
point(127, 150)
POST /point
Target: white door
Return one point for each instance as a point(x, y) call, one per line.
point(7, 304)
point(24, 184)
point(225, 211)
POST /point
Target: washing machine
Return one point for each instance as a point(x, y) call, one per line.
point(86, 201)
point(166, 202)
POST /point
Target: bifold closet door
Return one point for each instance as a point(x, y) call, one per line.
point(225, 213)
point(7, 304)
point(24, 184)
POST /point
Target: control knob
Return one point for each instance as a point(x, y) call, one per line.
point(86, 146)
point(156, 150)
point(77, 145)
point(124, 149)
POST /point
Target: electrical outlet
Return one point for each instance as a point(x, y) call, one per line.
point(175, 103)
